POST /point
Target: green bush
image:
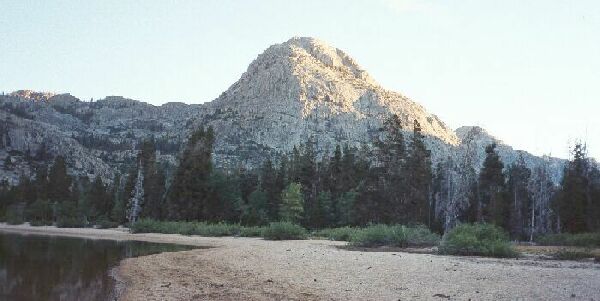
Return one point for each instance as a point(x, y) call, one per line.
point(255, 231)
point(70, 222)
point(373, 236)
point(340, 234)
point(105, 223)
point(39, 213)
point(477, 240)
point(396, 236)
point(69, 216)
point(14, 215)
point(568, 239)
point(37, 223)
point(215, 230)
point(572, 255)
point(185, 228)
point(284, 231)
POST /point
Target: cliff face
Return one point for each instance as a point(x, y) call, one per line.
point(295, 91)
point(304, 89)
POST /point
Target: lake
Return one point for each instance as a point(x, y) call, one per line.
point(35, 267)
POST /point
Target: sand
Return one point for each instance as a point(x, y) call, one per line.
point(255, 269)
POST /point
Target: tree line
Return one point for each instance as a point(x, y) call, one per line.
point(391, 182)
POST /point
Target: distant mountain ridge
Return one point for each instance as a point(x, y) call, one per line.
point(294, 91)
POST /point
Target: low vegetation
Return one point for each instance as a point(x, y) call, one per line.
point(477, 240)
point(284, 231)
point(185, 228)
point(396, 236)
point(339, 234)
point(568, 239)
point(253, 231)
point(575, 255)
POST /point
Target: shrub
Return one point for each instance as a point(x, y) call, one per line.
point(568, 239)
point(255, 231)
point(341, 234)
point(39, 213)
point(69, 216)
point(420, 236)
point(284, 231)
point(372, 236)
point(105, 223)
point(572, 255)
point(185, 228)
point(477, 240)
point(215, 230)
point(396, 236)
point(37, 223)
point(70, 222)
point(14, 215)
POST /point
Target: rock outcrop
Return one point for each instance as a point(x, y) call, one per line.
point(293, 92)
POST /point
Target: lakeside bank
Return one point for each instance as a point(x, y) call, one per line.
point(256, 269)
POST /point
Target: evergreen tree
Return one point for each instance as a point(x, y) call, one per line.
point(345, 208)
point(154, 181)
point(268, 184)
point(255, 211)
point(387, 185)
point(292, 203)
point(117, 213)
point(492, 206)
point(324, 215)
point(223, 200)
point(190, 188)
point(418, 178)
point(100, 201)
point(308, 178)
point(520, 199)
point(593, 213)
point(41, 183)
point(59, 182)
point(573, 198)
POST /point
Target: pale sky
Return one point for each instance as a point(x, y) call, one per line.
point(527, 71)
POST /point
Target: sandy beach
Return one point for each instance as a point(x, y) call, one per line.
point(255, 269)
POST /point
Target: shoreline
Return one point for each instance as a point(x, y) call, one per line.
point(257, 269)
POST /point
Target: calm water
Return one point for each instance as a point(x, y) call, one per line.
point(57, 268)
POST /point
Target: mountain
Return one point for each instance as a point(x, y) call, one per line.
point(296, 91)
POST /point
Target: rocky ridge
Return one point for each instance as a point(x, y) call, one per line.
point(294, 91)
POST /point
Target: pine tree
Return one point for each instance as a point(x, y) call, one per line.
point(418, 178)
point(154, 181)
point(223, 202)
point(593, 213)
point(101, 203)
point(308, 179)
point(389, 174)
point(492, 206)
point(117, 213)
point(41, 183)
point(268, 184)
point(572, 200)
point(520, 199)
point(190, 187)
point(255, 211)
point(292, 203)
point(344, 208)
point(59, 182)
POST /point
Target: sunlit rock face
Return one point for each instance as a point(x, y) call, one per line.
point(299, 90)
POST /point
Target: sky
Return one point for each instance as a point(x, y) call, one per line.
point(527, 71)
